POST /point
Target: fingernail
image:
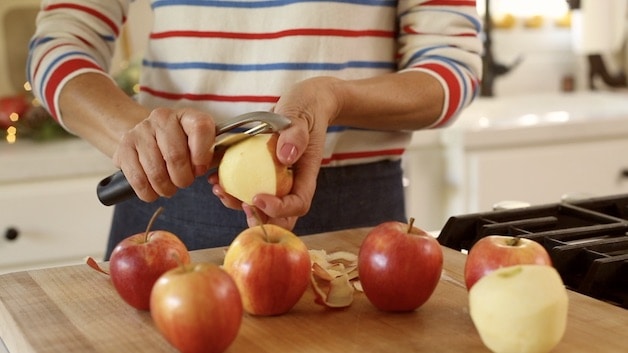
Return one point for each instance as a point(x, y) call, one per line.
point(217, 193)
point(259, 203)
point(289, 153)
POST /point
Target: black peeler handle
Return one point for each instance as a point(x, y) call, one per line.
point(114, 189)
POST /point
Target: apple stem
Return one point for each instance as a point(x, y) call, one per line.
point(514, 241)
point(265, 232)
point(258, 218)
point(410, 224)
point(152, 220)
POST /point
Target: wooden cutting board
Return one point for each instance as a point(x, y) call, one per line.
point(75, 309)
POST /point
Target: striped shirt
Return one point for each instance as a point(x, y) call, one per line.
point(229, 57)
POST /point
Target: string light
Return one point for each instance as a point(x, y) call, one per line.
point(523, 9)
point(11, 134)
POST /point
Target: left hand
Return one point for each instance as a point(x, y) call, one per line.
point(312, 106)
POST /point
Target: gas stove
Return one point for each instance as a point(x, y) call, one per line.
point(586, 239)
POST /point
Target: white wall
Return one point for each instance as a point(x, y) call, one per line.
point(547, 58)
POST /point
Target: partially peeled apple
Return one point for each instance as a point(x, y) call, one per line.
point(251, 167)
point(521, 308)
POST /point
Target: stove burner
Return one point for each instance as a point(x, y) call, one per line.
point(586, 239)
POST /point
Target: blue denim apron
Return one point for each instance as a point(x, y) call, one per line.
point(346, 197)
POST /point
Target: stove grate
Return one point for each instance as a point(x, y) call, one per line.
point(587, 240)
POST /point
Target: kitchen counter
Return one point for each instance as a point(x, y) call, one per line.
point(532, 119)
point(76, 309)
point(26, 160)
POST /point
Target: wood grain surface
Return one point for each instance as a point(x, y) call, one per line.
point(76, 309)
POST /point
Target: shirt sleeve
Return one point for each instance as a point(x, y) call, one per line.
point(72, 37)
point(442, 38)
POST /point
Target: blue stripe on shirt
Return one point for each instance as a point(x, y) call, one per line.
point(477, 25)
point(53, 66)
point(270, 67)
point(455, 66)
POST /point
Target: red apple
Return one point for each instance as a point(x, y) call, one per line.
point(399, 266)
point(495, 251)
point(197, 308)
point(271, 267)
point(138, 261)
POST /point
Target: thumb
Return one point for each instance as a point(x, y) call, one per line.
point(291, 144)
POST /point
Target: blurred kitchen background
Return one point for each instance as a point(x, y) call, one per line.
point(551, 124)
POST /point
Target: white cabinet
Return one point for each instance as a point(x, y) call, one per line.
point(48, 199)
point(424, 166)
point(57, 222)
point(545, 173)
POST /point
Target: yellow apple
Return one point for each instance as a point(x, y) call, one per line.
point(251, 167)
point(521, 308)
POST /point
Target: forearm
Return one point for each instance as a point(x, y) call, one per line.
point(95, 109)
point(408, 100)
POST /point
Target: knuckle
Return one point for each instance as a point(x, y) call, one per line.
point(161, 181)
point(176, 158)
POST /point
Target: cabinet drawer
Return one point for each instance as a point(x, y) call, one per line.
point(542, 174)
point(58, 222)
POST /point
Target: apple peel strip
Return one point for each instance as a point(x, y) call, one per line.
point(334, 276)
point(91, 262)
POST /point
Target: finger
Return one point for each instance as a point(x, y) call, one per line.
point(140, 159)
point(253, 216)
point(293, 142)
point(213, 178)
point(201, 132)
point(226, 199)
point(136, 177)
point(172, 143)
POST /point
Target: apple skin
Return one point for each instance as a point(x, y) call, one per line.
point(399, 266)
point(271, 267)
point(495, 251)
point(139, 260)
point(520, 308)
point(251, 167)
point(197, 308)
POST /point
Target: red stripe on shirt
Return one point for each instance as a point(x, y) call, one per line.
point(34, 74)
point(274, 35)
point(209, 97)
point(364, 154)
point(453, 84)
point(89, 10)
point(61, 73)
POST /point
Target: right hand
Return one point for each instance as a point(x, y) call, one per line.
point(166, 151)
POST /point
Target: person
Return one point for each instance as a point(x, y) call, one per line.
point(356, 78)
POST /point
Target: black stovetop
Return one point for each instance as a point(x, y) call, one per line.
point(587, 240)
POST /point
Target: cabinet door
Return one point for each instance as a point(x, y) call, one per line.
point(425, 185)
point(545, 173)
point(58, 222)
